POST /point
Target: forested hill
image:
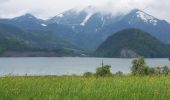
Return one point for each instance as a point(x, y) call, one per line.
point(132, 43)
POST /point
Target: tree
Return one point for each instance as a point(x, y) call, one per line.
point(103, 71)
point(139, 67)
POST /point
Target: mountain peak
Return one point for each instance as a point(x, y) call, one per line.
point(147, 18)
point(28, 15)
point(90, 8)
point(25, 16)
point(135, 10)
point(142, 16)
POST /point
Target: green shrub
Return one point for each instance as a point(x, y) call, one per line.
point(151, 71)
point(88, 74)
point(103, 71)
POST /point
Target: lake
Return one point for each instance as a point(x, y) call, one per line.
point(67, 65)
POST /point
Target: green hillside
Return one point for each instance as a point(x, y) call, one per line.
point(15, 39)
point(132, 43)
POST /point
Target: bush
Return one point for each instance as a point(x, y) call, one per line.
point(158, 70)
point(151, 71)
point(88, 74)
point(165, 70)
point(139, 67)
point(119, 73)
point(162, 70)
point(103, 71)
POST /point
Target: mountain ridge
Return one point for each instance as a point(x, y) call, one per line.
point(88, 31)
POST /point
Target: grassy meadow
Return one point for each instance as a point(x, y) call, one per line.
point(83, 88)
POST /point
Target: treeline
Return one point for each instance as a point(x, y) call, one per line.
point(139, 68)
point(16, 45)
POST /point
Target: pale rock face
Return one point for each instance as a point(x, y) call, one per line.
point(127, 53)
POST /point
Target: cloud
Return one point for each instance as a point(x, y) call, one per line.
point(49, 8)
point(1, 1)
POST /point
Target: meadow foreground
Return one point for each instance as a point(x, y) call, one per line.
point(85, 88)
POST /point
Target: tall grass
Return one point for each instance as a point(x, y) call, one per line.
point(81, 88)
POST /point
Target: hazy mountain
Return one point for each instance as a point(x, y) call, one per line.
point(132, 43)
point(85, 25)
point(26, 21)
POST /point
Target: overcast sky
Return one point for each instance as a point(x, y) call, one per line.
point(49, 8)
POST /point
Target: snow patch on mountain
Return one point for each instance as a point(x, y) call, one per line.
point(43, 25)
point(146, 18)
point(86, 19)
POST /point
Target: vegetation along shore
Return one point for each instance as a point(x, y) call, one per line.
point(143, 83)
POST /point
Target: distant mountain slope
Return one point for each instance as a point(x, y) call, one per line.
point(132, 43)
point(26, 21)
point(13, 38)
point(85, 25)
point(12, 44)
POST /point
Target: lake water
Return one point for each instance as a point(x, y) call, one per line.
point(67, 65)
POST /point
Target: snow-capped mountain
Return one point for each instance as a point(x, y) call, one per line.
point(89, 27)
point(147, 18)
point(139, 15)
point(90, 24)
point(141, 20)
point(88, 20)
